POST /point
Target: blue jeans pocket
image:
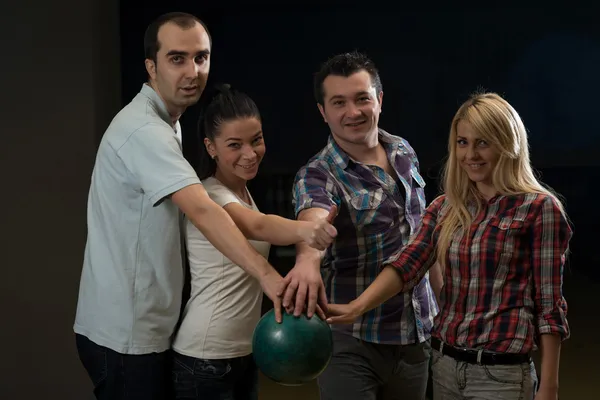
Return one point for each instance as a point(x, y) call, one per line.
point(182, 376)
point(211, 369)
point(195, 378)
point(94, 359)
point(225, 379)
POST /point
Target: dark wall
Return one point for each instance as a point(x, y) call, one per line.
point(61, 85)
point(543, 61)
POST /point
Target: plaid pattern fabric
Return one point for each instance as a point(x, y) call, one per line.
point(503, 280)
point(377, 213)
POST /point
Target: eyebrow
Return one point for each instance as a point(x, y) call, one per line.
point(339, 96)
point(238, 139)
point(475, 138)
point(185, 53)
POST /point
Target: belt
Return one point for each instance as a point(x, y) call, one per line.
point(481, 357)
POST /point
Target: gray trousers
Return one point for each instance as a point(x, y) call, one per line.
point(458, 380)
point(367, 371)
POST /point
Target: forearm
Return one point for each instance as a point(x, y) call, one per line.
point(550, 352)
point(220, 230)
point(387, 284)
point(277, 230)
point(306, 255)
point(418, 256)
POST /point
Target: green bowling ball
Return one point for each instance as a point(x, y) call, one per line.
point(294, 352)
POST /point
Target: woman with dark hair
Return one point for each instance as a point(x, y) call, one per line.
point(212, 350)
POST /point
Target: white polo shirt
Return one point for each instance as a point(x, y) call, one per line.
point(132, 278)
point(225, 302)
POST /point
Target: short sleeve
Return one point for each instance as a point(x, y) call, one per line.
point(313, 187)
point(219, 193)
point(153, 155)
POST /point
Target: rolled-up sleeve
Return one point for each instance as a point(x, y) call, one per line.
point(551, 236)
point(414, 260)
point(313, 187)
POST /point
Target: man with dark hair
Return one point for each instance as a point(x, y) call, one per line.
point(182, 20)
point(132, 279)
point(373, 178)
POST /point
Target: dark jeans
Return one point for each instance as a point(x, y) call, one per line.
point(226, 379)
point(118, 376)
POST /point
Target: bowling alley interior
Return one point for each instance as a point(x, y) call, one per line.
point(71, 66)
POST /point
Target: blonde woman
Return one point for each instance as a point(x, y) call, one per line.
point(501, 238)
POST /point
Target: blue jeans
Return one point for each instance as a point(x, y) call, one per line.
point(225, 379)
point(117, 376)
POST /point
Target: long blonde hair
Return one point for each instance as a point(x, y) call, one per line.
point(500, 125)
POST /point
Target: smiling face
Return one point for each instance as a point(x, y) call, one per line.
point(238, 149)
point(476, 156)
point(351, 107)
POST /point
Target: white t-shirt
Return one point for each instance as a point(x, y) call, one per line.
point(225, 302)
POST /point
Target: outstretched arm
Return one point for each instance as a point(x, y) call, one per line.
point(313, 197)
point(317, 233)
point(304, 285)
point(411, 264)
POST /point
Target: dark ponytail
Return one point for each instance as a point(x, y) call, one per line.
point(219, 104)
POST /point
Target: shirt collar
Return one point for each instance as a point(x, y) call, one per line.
point(157, 104)
point(340, 157)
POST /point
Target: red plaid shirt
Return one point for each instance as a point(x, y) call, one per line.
point(503, 281)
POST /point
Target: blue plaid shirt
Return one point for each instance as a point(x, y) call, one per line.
point(377, 213)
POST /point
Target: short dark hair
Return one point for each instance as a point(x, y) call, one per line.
point(345, 64)
point(220, 104)
point(181, 19)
